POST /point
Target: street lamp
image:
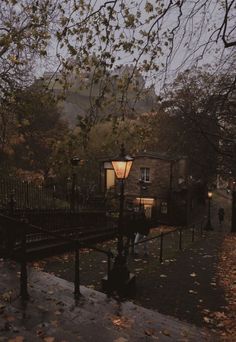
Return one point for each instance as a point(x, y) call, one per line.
point(74, 163)
point(208, 225)
point(119, 277)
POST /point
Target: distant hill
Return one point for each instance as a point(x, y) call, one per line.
point(85, 95)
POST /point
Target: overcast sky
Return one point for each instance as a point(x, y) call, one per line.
point(188, 46)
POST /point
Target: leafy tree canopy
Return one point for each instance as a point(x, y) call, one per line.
point(149, 34)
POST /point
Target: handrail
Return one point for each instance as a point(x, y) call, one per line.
point(77, 246)
point(54, 234)
point(167, 233)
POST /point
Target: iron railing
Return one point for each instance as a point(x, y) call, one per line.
point(20, 252)
point(193, 229)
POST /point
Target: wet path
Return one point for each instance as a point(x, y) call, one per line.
point(51, 315)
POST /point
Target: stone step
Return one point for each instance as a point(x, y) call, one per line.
point(36, 250)
point(52, 313)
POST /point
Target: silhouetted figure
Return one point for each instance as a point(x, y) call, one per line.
point(221, 215)
point(143, 228)
point(129, 230)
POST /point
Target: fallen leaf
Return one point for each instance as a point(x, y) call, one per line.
point(54, 323)
point(49, 339)
point(192, 291)
point(17, 339)
point(165, 332)
point(39, 332)
point(206, 319)
point(193, 274)
point(7, 296)
point(9, 318)
point(121, 339)
point(57, 312)
point(149, 332)
point(122, 322)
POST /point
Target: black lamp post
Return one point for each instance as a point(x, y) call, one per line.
point(208, 224)
point(74, 163)
point(119, 277)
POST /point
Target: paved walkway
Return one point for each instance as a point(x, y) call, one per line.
point(185, 287)
point(51, 315)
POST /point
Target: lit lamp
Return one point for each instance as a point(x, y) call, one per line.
point(208, 225)
point(119, 277)
point(209, 194)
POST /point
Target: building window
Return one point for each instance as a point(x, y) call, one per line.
point(110, 179)
point(145, 174)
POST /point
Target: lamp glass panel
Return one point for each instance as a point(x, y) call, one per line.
point(122, 168)
point(128, 167)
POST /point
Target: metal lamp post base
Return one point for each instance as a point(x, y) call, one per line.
point(125, 288)
point(208, 226)
point(120, 279)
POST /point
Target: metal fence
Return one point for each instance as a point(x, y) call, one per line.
point(18, 194)
point(15, 193)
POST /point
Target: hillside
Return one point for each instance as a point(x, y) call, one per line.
point(84, 94)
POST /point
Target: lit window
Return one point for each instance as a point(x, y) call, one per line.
point(145, 174)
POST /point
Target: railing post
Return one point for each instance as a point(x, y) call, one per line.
point(77, 271)
point(23, 266)
point(193, 232)
point(161, 248)
point(201, 228)
point(180, 239)
point(109, 255)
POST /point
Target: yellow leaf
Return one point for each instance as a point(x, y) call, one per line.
point(165, 332)
point(149, 332)
point(9, 318)
point(7, 296)
point(193, 274)
point(17, 339)
point(49, 339)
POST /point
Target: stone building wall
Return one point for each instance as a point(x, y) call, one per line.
point(167, 190)
point(159, 177)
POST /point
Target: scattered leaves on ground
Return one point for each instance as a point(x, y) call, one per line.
point(49, 339)
point(227, 279)
point(17, 339)
point(122, 322)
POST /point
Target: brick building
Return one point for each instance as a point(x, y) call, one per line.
point(158, 183)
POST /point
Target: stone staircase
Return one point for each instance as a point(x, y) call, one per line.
point(40, 243)
point(51, 314)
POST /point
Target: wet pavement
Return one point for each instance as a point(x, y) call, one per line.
point(52, 315)
point(185, 286)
